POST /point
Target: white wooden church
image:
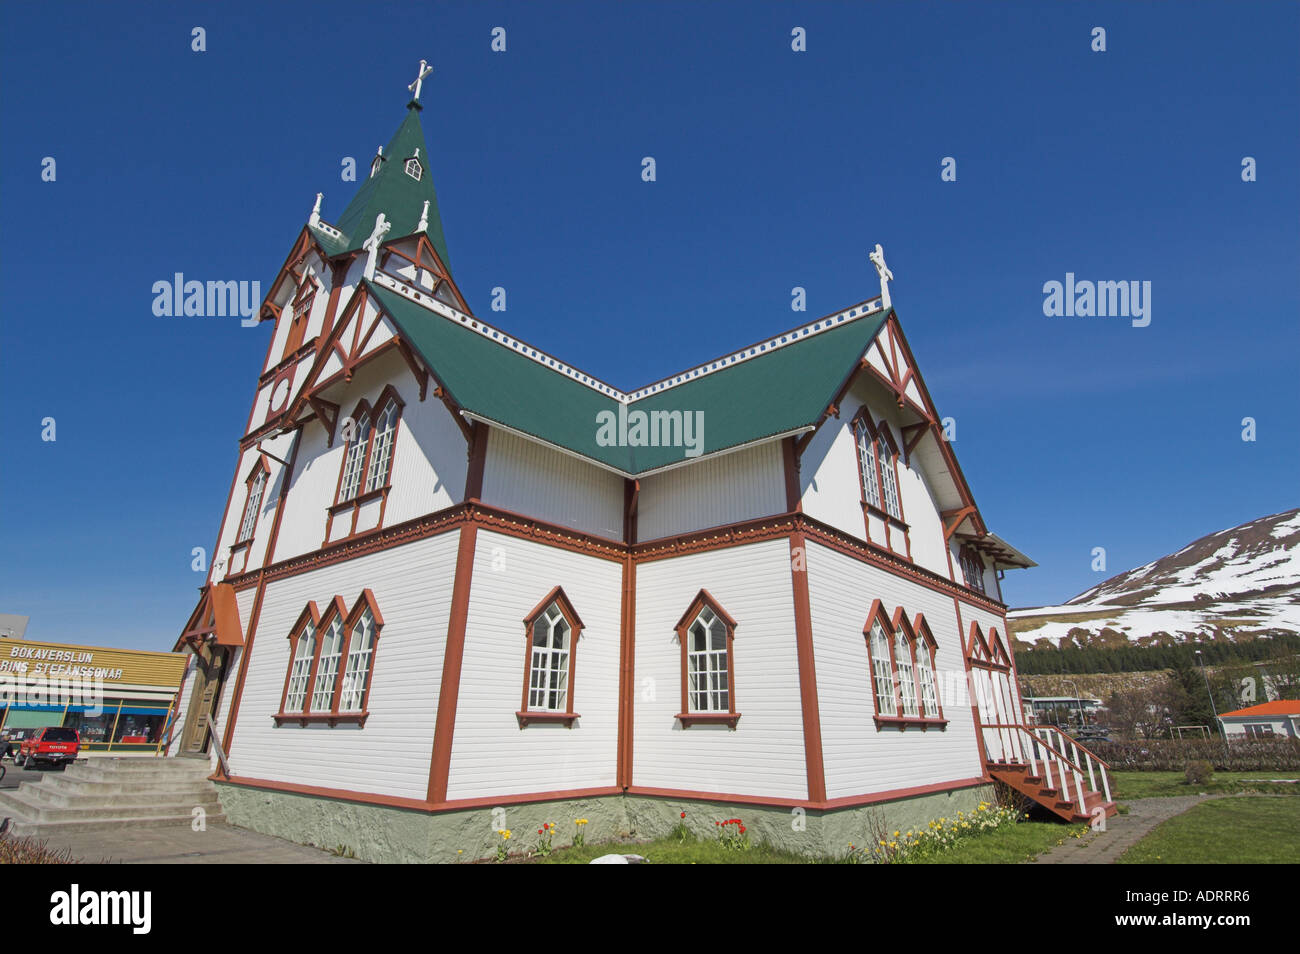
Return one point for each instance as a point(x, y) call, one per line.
point(462, 586)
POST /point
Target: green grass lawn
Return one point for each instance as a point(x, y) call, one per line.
point(1126, 786)
point(1225, 831)
point(1010, 845)
point(670, 851)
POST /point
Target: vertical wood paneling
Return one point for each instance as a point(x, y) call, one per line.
point(765, 754)
point(390, 755)
point(714, 491)
point(859, 758)
point(491, 754)
point(532, 479)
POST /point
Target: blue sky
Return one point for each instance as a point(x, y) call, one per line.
point(775, 169)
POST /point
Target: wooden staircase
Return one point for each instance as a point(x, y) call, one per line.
point(1050, 768)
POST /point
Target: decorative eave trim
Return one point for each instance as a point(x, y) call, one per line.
point(870, 306)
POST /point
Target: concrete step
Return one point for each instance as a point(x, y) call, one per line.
point(127, 801)
point(95, 773)
point(111, 793)
point(23, 829)
point(44, 812)
point(70, 785)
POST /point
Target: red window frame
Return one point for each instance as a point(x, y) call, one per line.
point(336, 608)
point(686, 716)
point(300, 315)
point(260, 468)
point(913, 633)
point(525, 715)
point(350, 509)
point(969, 558)
point(875, 433)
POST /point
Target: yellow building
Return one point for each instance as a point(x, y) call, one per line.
point(119, 700)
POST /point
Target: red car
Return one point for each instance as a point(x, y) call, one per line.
point(51, 744)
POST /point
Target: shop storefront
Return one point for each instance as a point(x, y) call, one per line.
point(120, 701)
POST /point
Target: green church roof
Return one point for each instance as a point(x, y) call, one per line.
point(399, 196)
point(776, 392)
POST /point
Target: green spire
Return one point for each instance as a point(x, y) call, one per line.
point(395, 192)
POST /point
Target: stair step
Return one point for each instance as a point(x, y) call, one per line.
point(67, 786)
point(22, 829)
point(105, 793)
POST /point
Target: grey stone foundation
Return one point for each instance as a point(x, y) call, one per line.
point(383, 834)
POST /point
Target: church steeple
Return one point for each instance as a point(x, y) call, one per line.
point(399, 186)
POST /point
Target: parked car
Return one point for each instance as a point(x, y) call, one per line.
point(52, 744)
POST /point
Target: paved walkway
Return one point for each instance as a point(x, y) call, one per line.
point(1122, 831)
point(177, 844)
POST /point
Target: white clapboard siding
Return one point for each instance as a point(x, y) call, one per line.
point(765, 754)
point(532, 479)
point(491, 755)
point(428, 464)
point(391, 754)
point(858, 758)
point(712, 492)
point(832, 491)
point(828, 474)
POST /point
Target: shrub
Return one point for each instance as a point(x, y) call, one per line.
point(1172, 755)
point(1199, 772)
point(29, 851)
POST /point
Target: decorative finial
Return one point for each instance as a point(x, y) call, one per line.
point(886, 276)
point(425, 70)
point(371, 245)
point(315, 210)
point(424, 218)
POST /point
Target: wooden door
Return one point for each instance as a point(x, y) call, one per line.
point(209, 674)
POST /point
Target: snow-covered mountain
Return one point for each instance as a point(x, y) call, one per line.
point(1237, 583)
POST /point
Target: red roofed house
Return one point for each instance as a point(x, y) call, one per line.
point(1277, 719)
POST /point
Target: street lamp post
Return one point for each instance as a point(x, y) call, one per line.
point(1213, 708)
point(1078, 707)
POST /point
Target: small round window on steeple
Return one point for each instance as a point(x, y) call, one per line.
point(414, 169)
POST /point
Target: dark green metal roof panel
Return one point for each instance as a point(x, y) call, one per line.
point(773, 393)
point(396, 194)
point(770, 394)
point(497, 383)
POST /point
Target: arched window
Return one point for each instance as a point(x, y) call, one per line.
point(903, 660)
point(551, 633)
point(882, 670)
point(925, 648)
point(366, 472)
point(381, 451)
point(301, 314)
point(252, 501)
point(331, 663)
point(363, 626)
point(878, 476)
point(888, 477)
point(302, 639)
point(355, 459)
point(867, 467)
point(972, 568)
point(707, 637)
point(900, 656)
point(325, 681)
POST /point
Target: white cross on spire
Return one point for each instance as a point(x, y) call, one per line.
point(425, 70)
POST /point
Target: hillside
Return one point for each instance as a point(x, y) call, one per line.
point(1237, 584)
